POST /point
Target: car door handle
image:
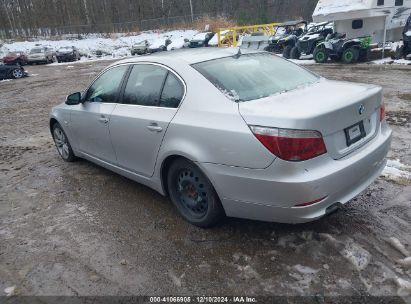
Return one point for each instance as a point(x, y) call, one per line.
point(103, 120)
point(155, 128)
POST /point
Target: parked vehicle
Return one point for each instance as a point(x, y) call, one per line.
point(41, 54)
point(159, 46)
point(403, 49)
point(12, 71)
point(18, 57)
point(306, 44)
point(255, 41)
point(201, 40)
point(286, 37)
point(338, 47)
point(198, 126)
point(140, 48)
point(68, 54)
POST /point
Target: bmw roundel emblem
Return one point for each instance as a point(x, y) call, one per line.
point(361, 110)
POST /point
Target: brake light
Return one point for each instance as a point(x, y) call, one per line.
point(291, 145)
point(382, 112)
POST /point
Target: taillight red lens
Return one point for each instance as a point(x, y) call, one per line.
point(382, 112)
point(291, 145)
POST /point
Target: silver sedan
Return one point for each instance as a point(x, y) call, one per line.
point(229, 133)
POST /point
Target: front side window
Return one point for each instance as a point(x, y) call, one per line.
point(254, 76)
point(380, 2)
point(105, 88)
point(173, 92)
point(144, 85)
point(399, 2)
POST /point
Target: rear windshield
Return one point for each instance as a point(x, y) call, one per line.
point(254, 76)
point(37, 51)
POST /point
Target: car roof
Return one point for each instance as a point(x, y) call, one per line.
point(296, 22)
point(188, 56)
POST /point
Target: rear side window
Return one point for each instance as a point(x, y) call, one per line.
point(106, 87)
point(144, 85)
point(173, 92)
point(254, 76)
point(399, 2)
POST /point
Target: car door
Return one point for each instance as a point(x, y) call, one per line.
point(90, 120)
point(3, 71)
point(138, 124)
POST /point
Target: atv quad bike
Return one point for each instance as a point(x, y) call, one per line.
point(286, 37)
point(338, 48)
point(306, 43)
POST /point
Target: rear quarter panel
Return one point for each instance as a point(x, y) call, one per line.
point(209, 129)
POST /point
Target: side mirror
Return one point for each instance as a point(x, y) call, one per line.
point(73, 99)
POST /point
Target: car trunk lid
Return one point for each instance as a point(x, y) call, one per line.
point(333, 108)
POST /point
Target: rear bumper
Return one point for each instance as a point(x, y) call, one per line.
point(271, 194)
point(68, 57)
point(34, 60)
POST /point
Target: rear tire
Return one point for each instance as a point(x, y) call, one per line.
point(350, 56)
point(193, 194)
point(321, 55)
point(287, 51)
point(295, 53)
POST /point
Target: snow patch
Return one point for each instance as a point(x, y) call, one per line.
point(10, 291)
point(395, 169)
point(404, 287)
point(357, 255)
point(405, 262)
point(394, 242)
point(114, 48)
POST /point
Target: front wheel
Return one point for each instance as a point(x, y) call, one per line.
point(295, 53)
point(287, 51)
point(17, 73)
point(62, 143)
point(320, 55)
point(193, 194)
point(351, 55)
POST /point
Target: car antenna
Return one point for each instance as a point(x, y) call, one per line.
point(239, 54)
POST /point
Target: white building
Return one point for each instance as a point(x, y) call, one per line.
point(381, 19)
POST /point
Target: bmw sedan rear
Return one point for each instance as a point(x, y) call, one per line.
point(246, 135)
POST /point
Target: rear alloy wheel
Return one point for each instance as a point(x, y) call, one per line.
point(287, 51)
point(350, 55)
point(320, 55)
point(17, 73)
point(193, 194)
point(295, 53)
point(62, 143)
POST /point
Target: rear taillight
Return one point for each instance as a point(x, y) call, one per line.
point(382, 112)
point(291, 145)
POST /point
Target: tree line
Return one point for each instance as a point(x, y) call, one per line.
point(32, 18)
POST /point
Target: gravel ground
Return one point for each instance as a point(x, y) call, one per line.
point(78, 229)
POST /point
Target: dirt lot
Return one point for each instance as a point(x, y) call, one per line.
point(77, 229)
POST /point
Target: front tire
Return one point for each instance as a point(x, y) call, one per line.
point(320, 55)
point(295, 53)
point(351, 55)
point(62, 143)
point(287, 51)
point(193, 194)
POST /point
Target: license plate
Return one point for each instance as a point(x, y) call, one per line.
point(355, 133)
